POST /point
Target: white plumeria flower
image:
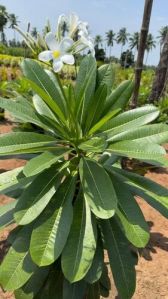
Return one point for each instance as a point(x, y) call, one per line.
point(58, 52)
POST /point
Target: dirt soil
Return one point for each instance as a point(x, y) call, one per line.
point(152, 269)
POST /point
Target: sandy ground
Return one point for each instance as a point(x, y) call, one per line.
point(152, 269)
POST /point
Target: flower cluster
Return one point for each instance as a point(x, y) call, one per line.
point(71, 38)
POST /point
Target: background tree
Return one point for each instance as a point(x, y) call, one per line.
point(162, 36)
point(159, 84)
point(134, 41)
point(141, 50)
point(110, 38)
point(150, 44)
point(98, 41)
point(3, 22)
point(34, 32)
point(122, 37)
point(13, 21)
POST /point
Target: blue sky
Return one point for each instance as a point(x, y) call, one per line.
point(101, 15)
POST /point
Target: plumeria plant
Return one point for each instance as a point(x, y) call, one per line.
point(73, 204)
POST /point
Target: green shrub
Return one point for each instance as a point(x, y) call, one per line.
point(73, 200)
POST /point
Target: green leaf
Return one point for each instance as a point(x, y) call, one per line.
point(155, 194)
point(80, 248)
point(85, 86)
point(96, 269)
point(157, 133)
point(9, 178)
point(22, 110)
point(95, 107)
point(53, 287)
point(74, 290)
point(96, 145)
point(134, 224)
point(52, 227)
point(93, 291)
point(97, 188)
point(34, 284)
point(36, 197)
point(137, 150)
point(119, 97)
point(106, 76)
point(42, 108)
point(130, 119)
point(121, 258)
point(17, 266)
point(42, 84)
point(6, 214)
point(43, 161)
point(21, 142)
point(103, 121)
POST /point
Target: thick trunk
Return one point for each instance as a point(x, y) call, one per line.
point(141, 50)
point(159, 83)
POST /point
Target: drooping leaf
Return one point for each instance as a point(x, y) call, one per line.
point(134, 224)
point(21, 142)
point(44, 161)
point(155, 194)
point(33, 285)
point(96, 269)
point(17, 266)
point(36, 197)
point(93, 291)
point(121, 259)
point(52, 227)
point(97, 188)
point(22, 110)
point(80, 248)
point(74, 290)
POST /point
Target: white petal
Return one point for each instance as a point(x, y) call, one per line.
point(51, 41)
point(68, 59)
point(66, 44)
point(73, 22)
point(45, 56)
point(57, 65)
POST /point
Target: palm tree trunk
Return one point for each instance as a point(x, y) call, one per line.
point(159, 83)
point(141, 50)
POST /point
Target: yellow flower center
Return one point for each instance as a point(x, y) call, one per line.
point(56, 54)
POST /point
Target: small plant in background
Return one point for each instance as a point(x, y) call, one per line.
point(73, 201)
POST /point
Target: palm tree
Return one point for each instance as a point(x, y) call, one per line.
point(122, 37)
point(98, 41)
point(34, 32)
point(134, 41)
point(13, 19)
point(150, 45)
point(3, 22)
point(110, 38)
point(162, 36)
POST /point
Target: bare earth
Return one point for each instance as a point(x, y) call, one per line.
point(152, 269)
